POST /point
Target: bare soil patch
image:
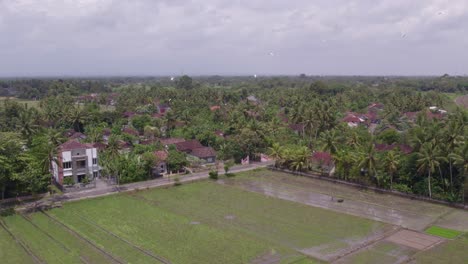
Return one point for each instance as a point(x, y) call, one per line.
point(343, 247)
point(414, 239)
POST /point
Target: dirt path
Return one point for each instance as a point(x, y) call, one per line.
point(112, 189)
point(462, 101)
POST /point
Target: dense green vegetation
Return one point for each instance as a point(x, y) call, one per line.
point(286, 117)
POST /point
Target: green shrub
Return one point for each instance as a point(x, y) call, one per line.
point(213, 175)
point(68, 181)
point(402, 188)
point(177, 182)
point(85, 180)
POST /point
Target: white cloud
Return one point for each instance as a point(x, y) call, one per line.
point(222, 36)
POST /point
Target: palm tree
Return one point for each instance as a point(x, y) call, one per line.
point(329, 139)
point(392, 162)
point(26, 125)
point(113, 146)
point(276, 152)
point(460, 159)
point(300, 159)
point(54, 137)
point(77, 118)
point(353, 140)
point(428, 161)
point(367, 159)
point(452, 137)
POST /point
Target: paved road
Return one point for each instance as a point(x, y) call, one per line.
point(107, 190)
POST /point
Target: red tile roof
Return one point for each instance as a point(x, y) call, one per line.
point(100, 146)
point(148, 141)
point(203, 152)
point(189, 145)
point(163, 108)
point(130, 131)
point(170, 141)
point(431, 115)
point(161, 155)
point(157, 115)
point(352, 119)
point(74, 144)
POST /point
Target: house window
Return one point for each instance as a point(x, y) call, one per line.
point(67, 165)
point(81, 164)
point(95, 174)
point(94, 161)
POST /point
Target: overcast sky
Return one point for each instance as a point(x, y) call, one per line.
point(204, 37)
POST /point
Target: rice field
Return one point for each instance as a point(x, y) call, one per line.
point(202, 222)
point(227, 221)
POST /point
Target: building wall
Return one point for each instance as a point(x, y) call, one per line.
point(59, 172)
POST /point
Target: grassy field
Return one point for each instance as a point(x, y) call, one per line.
point(443, 232)
point(198, 223)
point(11, 251)
point(30, 103)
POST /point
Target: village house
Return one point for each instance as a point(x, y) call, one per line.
point(72, 134)
point(75, 161)
point(170, 141)
point(163, 108)
point(353, 120)
point(196, 149)
point(413, 116)
point(160, 169)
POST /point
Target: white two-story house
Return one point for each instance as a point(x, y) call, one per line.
point(77, 161)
